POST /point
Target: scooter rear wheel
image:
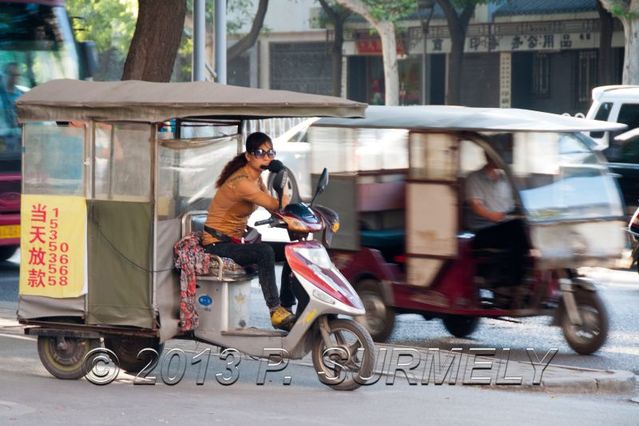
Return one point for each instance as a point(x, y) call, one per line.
point(63, 357)
point(348, 362)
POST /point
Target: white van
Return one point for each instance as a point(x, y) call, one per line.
point(619, 104)
point(614, 103)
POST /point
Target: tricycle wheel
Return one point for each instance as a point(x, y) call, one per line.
point(348, 361)
point(460, 325)
point(127, 349)
point(379, 319)
point(593, 332)
point(63, 357)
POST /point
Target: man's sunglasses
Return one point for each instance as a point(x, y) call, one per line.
point(260, 153)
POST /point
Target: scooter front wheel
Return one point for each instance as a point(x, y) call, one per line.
point(348, 360)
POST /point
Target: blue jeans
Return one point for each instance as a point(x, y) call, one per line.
point(260, 254)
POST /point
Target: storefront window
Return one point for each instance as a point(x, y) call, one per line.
point(410, 81)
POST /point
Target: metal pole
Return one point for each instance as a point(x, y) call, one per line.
point(199, 42)
point(220, 40)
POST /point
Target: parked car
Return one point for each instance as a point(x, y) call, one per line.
point(619, 104)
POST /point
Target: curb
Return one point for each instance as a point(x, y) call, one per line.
point(601, 381)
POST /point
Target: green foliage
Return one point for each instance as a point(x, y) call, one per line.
point(621, 9)
point(393, 11)
point(108, 23)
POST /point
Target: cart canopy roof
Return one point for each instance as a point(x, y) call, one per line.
point(437, 117)
point(149, 102)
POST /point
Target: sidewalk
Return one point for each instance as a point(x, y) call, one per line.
point(497, 372)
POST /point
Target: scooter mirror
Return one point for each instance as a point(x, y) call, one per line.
point(321, 184)
point(323, 181)
point(279, 182)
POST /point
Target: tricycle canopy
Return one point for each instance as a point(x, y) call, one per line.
point(149, 102)
point(459, 118)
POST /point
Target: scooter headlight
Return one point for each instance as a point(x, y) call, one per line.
point(317, 256)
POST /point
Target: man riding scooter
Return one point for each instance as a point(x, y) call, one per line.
point(490, 199)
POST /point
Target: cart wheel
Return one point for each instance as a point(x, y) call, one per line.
point(349, 360)
point(127, 349)
point(593, 332)
point(63, 357)
point(460, 325)
point(379, 319)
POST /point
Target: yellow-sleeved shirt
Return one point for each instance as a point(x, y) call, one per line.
point(234, 202)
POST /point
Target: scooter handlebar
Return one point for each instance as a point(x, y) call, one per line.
point(264, 222)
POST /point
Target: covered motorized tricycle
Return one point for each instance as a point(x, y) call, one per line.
point(115, 174)
point(399, 182)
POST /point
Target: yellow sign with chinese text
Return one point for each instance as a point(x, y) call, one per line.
point(52, 245)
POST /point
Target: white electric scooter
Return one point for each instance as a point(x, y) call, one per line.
point(342, 350)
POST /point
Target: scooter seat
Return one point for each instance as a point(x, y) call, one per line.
point(225, 269)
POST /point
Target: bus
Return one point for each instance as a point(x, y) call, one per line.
point(36, 45)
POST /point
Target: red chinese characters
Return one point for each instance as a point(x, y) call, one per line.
point(48, 257)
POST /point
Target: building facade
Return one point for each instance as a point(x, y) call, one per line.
point(520, 53)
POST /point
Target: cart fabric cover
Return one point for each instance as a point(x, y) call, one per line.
point(150, 102)
point(120, 252)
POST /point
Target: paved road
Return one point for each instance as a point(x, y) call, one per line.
point(620, 290)
point(30, 396)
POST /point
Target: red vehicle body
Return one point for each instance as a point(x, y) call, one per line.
point(36, 60)
point(9, 213)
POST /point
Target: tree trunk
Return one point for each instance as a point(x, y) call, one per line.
point(249, 39)
point(156, 40)
point(338, 56)
point(631, 51)
point(455, 61)
point(386, 30)
point(604, 62)
point(457, 25)
point(337, 18)
point(389, 53)
point(628, 13)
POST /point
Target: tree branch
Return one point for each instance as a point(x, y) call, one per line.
point(360, 8)
point(249, 39)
